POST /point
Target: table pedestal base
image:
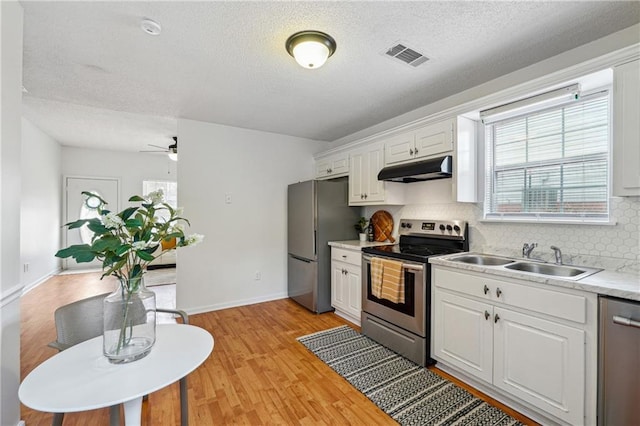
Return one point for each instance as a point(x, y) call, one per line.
point(133, 412)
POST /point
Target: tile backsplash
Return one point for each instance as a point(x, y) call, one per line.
point(615, 247)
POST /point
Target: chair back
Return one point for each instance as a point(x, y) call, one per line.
point(79, 321)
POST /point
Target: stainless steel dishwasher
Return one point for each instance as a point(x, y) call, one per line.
point(619, 362)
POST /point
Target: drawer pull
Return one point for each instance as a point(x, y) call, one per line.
point(486, 315)
point(486, 289)
point(344, 256)
point(496, 318)
point(498, 292)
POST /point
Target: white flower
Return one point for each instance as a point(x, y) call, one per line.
point(112, 221)
point(193, 239)
point(140, 245)
point(179, 211)
point(178, 227)
point(155, 197)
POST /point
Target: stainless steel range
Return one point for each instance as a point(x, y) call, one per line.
point(404, 325)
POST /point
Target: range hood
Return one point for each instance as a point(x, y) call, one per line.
point(435, 168)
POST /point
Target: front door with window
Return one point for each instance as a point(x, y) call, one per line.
point(79, 206)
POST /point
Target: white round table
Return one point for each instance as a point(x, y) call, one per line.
point(81, 378)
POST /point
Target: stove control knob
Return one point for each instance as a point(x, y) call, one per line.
point(441, 227)
point(408, 226)
point(456, 228)
point(403, 225)
point(449, 228)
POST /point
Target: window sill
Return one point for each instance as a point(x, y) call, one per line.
point(540, 221)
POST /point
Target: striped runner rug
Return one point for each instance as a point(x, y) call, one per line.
point(410, 394)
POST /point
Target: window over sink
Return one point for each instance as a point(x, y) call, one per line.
point(550, 163)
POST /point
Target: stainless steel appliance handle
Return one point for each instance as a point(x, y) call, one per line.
point(625, 321)
point(410, 266)
point(300, 258)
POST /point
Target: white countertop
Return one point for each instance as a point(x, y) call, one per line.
point(357, 244)
point(610, 283)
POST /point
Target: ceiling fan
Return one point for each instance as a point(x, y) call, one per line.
point(171, 150)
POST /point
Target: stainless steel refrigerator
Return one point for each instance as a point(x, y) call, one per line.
point(318, 212)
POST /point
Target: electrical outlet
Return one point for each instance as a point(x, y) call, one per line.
point(258, 276)
point(227, 198)
point(25, 267)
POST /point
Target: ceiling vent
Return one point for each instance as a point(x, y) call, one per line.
point(406, 55)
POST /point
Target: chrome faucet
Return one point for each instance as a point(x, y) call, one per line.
point(558, 255)
point(527, 249)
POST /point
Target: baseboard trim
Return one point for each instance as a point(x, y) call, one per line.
point(234, 304)
point(28, 287)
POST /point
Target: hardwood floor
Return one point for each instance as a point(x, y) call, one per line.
point(257, 374)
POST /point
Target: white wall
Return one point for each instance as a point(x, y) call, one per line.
point(11, 18)
point(130, 167)
point(248, 235)
point(41, 205)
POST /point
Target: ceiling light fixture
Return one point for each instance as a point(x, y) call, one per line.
point(150, 27)
point(311, 49)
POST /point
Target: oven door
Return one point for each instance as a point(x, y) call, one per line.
point(409, 315)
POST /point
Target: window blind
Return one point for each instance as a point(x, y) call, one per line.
point(552, 163)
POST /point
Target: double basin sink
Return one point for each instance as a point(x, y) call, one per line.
point(549, 270)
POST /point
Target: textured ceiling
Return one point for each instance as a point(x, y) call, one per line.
point(94, 78)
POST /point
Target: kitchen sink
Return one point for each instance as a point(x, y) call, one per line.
point(525, 266)
point(482, 259)
point(569, 272)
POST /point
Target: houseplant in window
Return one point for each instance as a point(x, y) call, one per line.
point(126, 243)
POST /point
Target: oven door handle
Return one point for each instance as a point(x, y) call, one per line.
point(410, 266)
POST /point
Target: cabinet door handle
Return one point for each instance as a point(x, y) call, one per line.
point(365, 196)
point(415, 151)
point(410, 151)
point(328, 170)
point(498, 292)
point(486, 315)
point(496, 318)
point(486, 289)
point(362, 196)
point(344, 256)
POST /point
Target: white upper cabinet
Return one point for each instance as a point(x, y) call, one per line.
point(364, 186)
point(332, 166)
point(434, 139)
point(424, 142)
point(399, 148)
point(626, 129)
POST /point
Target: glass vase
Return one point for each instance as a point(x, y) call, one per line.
point(129, 322)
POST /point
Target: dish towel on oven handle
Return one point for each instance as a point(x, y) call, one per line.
point(376, 277)
point(392, 281)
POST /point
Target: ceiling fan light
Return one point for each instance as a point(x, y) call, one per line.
point(311, 49)
point(173, 155)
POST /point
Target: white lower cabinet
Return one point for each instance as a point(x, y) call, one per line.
point(464, 334)
point(346, 283)
point(540, 362)
point(483, 328)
